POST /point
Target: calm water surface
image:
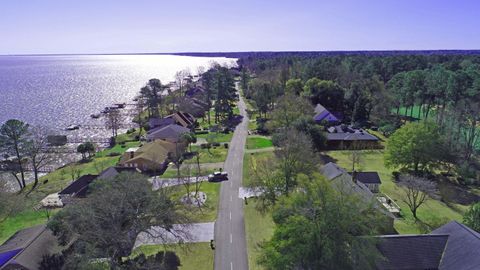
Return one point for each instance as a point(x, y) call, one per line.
point(57, 91)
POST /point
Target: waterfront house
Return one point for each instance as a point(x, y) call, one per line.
point(26, 248)
point(153, 156)
point(194, 106)
point(155, 122)
point(171, 133)
point(183, 119)
point(196, 91)
point(77, 189)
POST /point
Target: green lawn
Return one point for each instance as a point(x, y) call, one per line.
point(258, 228)
point(247, 164)
point(208, 212)
point(193, 256)
point(256, 142)
point(219, 136)
point(216, 154)
point(433, 212)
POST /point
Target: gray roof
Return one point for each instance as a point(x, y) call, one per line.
point(113, 171)
point(411, 251)
point(319, 109)
point(331, 170)
point(368, 177)
point(356, 136)
point(32, 244)
point(170, 132)
point(463, 247)
point(342, 181)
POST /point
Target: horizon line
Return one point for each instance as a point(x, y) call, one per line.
point(247, 51)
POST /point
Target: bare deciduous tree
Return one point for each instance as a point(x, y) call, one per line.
point(417, 190)
point(12, 141)
point(113, 120)
point(38, 151)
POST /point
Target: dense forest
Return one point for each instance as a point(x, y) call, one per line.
point(382, 91)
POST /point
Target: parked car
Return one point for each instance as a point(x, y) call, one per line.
point(218, 177)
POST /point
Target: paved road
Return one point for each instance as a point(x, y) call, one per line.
point(231, 247)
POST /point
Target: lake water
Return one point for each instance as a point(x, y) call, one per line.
point(57, 91)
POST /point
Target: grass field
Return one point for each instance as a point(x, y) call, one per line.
point(256, 142)
point(433, 212)
point(219, 136)
point(258, 228)
point(193, 256)
point(217, 154)
point(247, 163)
point(208, 212)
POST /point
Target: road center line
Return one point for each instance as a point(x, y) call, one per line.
point(231, 198)
point(230, 215)
point(231, 265)
point(231, 239)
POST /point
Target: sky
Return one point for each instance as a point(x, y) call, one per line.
point(148, 26)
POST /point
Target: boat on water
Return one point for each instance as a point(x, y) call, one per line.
point(95, 115)
point(72, 127)
point(120, 105)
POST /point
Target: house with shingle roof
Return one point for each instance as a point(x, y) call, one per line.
point(452, 246)
point(369, 179)
point(153, 156)
point(26, 248)
point(346, 137)
point(76, 189)
point(324, 115)
point(170, 133)
point(411, 251)
point(343, 182)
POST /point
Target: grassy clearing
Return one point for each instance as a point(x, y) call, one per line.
point(192, 256)
point(216, 154)
point(433, 212)
point(247, 163)
point(258, 228)
point(256, 142)
point(219, 136)
point(206, 213)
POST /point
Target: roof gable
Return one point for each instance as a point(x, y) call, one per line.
point(79, 187)
point(411, 251)
point(463, 247)
point(368, 177)
point(168, 132)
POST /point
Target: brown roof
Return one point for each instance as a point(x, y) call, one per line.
point(157, 151)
